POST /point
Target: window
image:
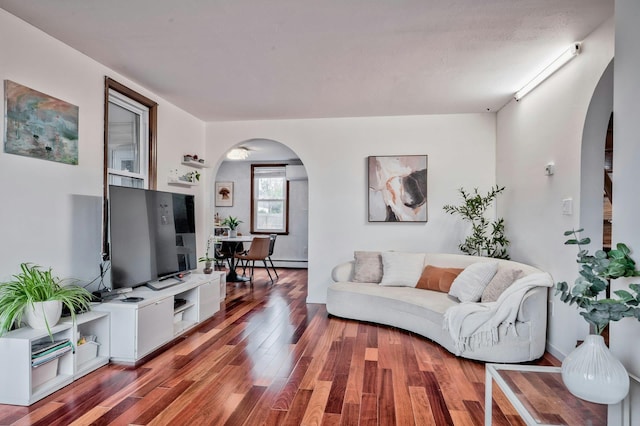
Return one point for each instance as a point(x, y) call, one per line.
point(269, 206)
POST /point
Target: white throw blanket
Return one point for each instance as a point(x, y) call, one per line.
point(472, 325)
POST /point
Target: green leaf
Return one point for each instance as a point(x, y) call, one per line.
point(623, 248)
point(567, 233)
point(624, 295)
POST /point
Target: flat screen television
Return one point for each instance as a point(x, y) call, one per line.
point(152, 236)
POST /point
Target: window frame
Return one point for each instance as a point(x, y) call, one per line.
point(254, 201)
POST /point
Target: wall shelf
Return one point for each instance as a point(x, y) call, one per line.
point(178, 182)
point(196, 164)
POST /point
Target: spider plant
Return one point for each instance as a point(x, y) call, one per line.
point(34, 284)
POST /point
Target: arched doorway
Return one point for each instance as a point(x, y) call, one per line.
point(596, 157)
point(594, 138)
point(292, 246)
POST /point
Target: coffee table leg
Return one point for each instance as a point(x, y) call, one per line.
point(488, 397)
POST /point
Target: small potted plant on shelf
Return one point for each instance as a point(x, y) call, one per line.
point(232, 223)
point(591, 372)
point(208, 261)
point(38, 296)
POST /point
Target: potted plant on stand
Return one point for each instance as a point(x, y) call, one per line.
point(591, 372)
point(232, 223)
point(38, 296)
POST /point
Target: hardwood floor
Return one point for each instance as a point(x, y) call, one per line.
point(269, 358)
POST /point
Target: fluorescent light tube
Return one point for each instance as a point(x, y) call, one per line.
point(568, 55)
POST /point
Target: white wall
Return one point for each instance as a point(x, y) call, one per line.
point(334, 151)
point(290, 250)
point(625, 334)
point(51, 212)
point(547, 126)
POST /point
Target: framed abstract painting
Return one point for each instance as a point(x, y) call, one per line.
point(40, 126)
point(397, 188)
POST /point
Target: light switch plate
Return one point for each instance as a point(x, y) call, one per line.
point(567, 206)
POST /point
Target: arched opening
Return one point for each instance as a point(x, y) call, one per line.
point(596, 157)
point(235, 175)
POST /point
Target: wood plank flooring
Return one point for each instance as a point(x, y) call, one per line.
point(269, 358)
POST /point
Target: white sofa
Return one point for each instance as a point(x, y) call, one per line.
point(422, 311)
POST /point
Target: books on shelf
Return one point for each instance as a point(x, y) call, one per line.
point(43, 352)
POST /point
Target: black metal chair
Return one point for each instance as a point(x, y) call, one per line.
point(272, 243)
point(225, 250)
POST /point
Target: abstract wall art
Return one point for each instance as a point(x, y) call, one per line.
point(38, 125)
point(397, 188)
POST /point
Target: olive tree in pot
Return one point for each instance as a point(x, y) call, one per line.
point(487, 236)
point(591, 372)
point(38, 296)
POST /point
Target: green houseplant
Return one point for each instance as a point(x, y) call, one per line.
point(232, 223)
point(595, 272)
point(487, 236)
point(33, 285)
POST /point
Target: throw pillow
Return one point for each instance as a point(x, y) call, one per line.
point(437, 279)
point(469, 285)
point(368, 267)
point(501, 280)
point(401, 269)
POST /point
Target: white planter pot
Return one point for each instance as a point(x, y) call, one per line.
point(43, 313)
point(592, 373)
point(233, 233)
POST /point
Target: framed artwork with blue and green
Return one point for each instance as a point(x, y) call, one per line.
point(38, 125)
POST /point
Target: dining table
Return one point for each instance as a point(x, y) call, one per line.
point(233, 242)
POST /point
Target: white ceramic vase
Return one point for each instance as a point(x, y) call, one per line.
point(233, 233)
point(43, 313)
point(592, 373)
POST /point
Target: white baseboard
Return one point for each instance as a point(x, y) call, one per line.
point(555, 351)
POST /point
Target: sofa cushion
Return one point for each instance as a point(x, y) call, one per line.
point(500, 281)
point(401, 269)
point(437, 279)
point(469, 285)
point(368, 267)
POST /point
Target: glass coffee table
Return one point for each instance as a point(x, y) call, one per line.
point(540, 397)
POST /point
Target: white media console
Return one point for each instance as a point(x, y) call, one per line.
point(138, 328)
point(126, 332)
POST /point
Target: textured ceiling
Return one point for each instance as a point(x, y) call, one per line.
point(272, 59)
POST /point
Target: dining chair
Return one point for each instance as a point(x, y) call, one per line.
point(272, 243)
point(258, 250)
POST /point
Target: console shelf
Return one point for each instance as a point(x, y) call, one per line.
point(30, 384)
point(137, 329)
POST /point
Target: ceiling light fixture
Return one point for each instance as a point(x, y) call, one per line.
point(239, 153)
point(568, 55)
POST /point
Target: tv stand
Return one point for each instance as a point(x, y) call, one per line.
point(140, 328)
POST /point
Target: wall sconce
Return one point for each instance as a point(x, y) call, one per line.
point(568, 55)
point(239, 153)
point(549, 169)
